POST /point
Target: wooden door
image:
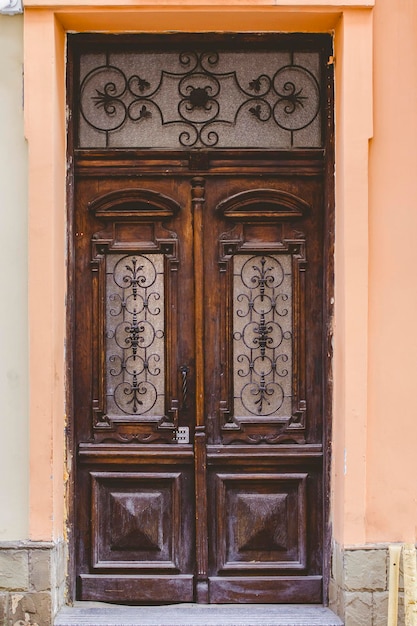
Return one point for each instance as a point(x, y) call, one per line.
point(199, 330)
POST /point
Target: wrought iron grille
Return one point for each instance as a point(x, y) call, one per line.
point(262, 333)
point(135, 364)
point(195, 99)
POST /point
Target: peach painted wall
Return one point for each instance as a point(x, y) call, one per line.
point(45, 131)
point(376, 303)
point(354, 109)
point(392, 423)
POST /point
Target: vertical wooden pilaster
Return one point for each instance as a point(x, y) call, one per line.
point(198, 200)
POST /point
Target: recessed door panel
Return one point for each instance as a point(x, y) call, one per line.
point(265, 526)
point(137, 520)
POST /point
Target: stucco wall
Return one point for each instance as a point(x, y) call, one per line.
point(45, 130)
point(392, 421)
point(14, 421)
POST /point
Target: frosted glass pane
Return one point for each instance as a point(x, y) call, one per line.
point(262, 335)
point(135, 364)
point(225, 99)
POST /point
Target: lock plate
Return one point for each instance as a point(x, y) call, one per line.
point(182, 434)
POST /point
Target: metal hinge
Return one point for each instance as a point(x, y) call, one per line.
point(182, 434)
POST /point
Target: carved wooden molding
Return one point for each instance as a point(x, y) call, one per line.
point(291, 427)
point(263, 204)
point(135, 427)
point(133, 203)
point(261, 535)
point(130, 518)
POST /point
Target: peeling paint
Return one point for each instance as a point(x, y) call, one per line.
point(26, 622)
point(16, 598)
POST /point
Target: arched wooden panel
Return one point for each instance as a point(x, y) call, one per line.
point(270, 204)
point(133, 203)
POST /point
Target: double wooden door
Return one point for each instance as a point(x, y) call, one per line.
point(198, 383)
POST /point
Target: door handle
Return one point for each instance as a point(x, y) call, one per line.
point(184, 369)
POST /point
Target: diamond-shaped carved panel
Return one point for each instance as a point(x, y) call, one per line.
point(261, 521)
point(136, 519)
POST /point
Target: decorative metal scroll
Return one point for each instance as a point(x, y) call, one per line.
point(135, 364)
point(262, 333)
point(200, 99)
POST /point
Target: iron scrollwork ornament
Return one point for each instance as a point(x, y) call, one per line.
point(201, 102)
point(135, 334)
point(262, 335)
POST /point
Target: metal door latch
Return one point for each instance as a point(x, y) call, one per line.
point(182, 434)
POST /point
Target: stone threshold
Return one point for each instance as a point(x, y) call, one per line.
point(101, 614)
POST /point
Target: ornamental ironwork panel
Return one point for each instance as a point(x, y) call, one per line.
point(262, 335)
point(198, 99)
point(135, 364)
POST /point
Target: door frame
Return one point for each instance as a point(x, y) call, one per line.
point(44, 118)
point(317, 41)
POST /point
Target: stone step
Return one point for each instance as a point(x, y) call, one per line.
point(94, 614)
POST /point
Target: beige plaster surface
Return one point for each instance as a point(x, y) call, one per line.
point(375, 336)
point(14, 421)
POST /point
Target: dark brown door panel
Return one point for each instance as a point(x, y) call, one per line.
point(264, 589)
point(136, 589)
